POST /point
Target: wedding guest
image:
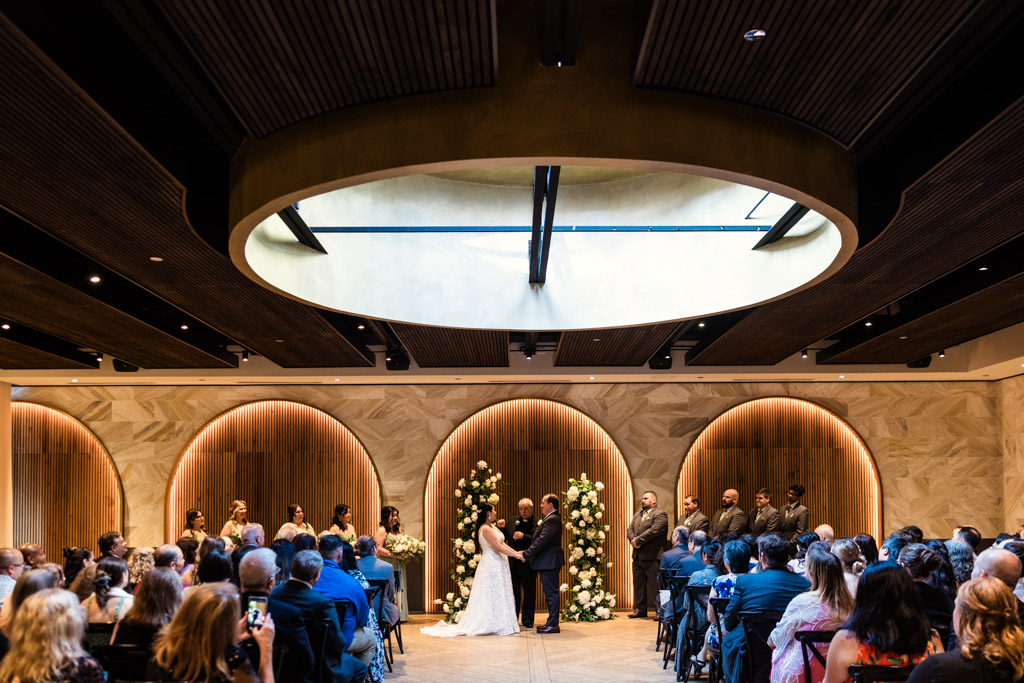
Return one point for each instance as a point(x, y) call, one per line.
point(764, 519)
point(341, 524)
point(201, 642)
point(969, 535)
point(991, 642)
point(296, 521)
point(304, 542)
point(57, 571)
point(736, 561)
point(868, 547)
point(714, 564)
point(347, 562)
point(215, 567)
point(942, 578)
point(195, 525)
point(518, 536)
point(682, 560)
point(232, 528)
point(825, 533)
point(920, 562)
point(373, 568)
point(285, 552)
point(646, 533)
point(888, 626)
point(140, 563)
point(109, 601)
point(35, 556)
point(29, 583)
point(336, 584)
point(156, 602)
point(915, 533)
point(12, 565)
point(85, 583)
point(893, 546)
point(46, 642)
point(793, 517)
point(731, 519)
point(693, 519)
point(388, 531)
point(849, 553)
point(209, 545)
point(189, 553)
point(75, 560)
point(1017, 548)
point(823, 608)
point(961, 557)
point(169, 555)
point(1003, 565)
point(803, 542)
point(112, 543)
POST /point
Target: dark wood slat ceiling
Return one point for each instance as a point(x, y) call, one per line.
point(38, 300)
point(964, 207)
point(989, 310)
point(833, 65)
point(627, 346)
point(280, 62)
point(66, 167)
point(15, 356)
point(442, 347)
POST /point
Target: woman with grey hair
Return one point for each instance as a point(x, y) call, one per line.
point(961, 556)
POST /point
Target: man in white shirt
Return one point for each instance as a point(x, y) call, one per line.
point(12, 564)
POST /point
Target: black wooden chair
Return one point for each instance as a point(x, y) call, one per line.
point(385, 628)
point(663, 576)
point(757, 626)
point(809, 641)
point(398, 626)
point(375, 596)
point(715, 673)
point(671, 616)
point(127, 662)
point(693, 627)
point(877, 674)
point(97, 635)
point(317, 630)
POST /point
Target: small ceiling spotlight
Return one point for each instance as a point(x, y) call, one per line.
point(360, 326)
point(592, 378)
point(983, 268)
point(337, 379)
point(868, 323)
point(245, 356)
point(529, 351)
point(74, 381)
point(942, 353)
point(842, 376)
point(387, 356)
point(803, 354)
point(700, 324)
point(99, 357)
point(5, 326)
point(184, 327)
point(156, 259)
point(94, 279)
point(754, 35)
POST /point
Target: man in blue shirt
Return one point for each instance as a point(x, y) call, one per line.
point(337, 584)
point(372, 568)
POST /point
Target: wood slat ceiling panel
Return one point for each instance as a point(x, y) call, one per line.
point(15, 356)
point(626, 346)
point(68, 168)
point(280, 62)
point(441, 347)
point(964, 207)
point(37, 300)
point(833, 65)
point(989, 310)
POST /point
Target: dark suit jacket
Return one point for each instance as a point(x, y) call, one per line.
point(793, 522)
point(527, 526)
point(649, 533)
point(291, 633)
point(672, 559)
point(727, 520)
point(769, 522)
point(695, 522)
point(314, 605)
point(769, 590)
point(545, 551)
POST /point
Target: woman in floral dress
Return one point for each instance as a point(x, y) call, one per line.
point(375, 672)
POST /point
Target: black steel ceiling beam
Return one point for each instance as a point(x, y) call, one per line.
point(545, 192)
point(784, 225)
point(561, 35)
point(299, 228)
point(549, 221)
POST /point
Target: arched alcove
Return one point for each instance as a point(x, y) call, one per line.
point(269, 454)
point(537, 445)
point(776, 442)
point(67, 491)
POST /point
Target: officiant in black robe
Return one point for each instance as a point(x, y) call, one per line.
point(519, 534)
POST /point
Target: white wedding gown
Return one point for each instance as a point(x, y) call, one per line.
point(491, 609)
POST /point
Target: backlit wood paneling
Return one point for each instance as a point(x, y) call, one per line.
point(775, 443)
point(271, 454)
point(537, 445)
point(67, 491)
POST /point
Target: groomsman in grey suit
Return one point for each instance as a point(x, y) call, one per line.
point(793, 517)
point(693, 519)
point(732, 518)
point(764, 519)
point(646, 534)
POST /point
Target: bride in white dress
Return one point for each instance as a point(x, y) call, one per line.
point(490, 609)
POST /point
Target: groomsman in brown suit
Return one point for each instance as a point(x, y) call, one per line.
point(732, 518)
point(764, 519)
point(646, 534)
point(693, 519)
point(793, 517)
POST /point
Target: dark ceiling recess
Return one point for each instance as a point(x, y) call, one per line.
point(627, 346)
point(561, 35)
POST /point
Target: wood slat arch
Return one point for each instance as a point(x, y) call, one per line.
point(67, 491)
point(776, 442)
point(536, 444)
point(271, 453)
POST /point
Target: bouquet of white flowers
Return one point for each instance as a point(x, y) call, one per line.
point(587, 560)
point(404, 547)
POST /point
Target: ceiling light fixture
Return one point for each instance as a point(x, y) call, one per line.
point(245, 356)
point(983, 268)
point(337, 379)
point(528, 351)
point(387, 356)
point(842, 376)
point(184, 327)
point(942, 353)
point(803, 354)
point(74, 380)
point(700, 324)
point(360, 326)
point(155, 259)
point(597, 339)
point(754, 35)
point(99, 357)
point(903, 336)
point(867, 324)
point(593, 378)
point(94, 279)
point(5, 326)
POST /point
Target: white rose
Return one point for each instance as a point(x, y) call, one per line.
point(469, 546)
point(572, 608)
point(493, 499)
point(473, 517)
point(601, 506)
point(590, 552)
point(575, 514)
point(481, 465)
point(608, 565)
point(458, 493)
point(469, 581)
point(497, 476)
point(461, 525)
point(450, 596)
point(568, 525)
point(460, 569)
point(472, 564)
point(599, 486)
point(583, 477)
point(462, 482)
point(600, 535)
point(582, 523)
point(581, 542)
point(600, 550)
point(563, 588)
point(469, 500)
point(458, 602)
point(467, 521)
point(611, 601)
point(598, 515)
point(583, 597)
point(446, 608)
point(465, 591)
point(472, 473)
point(474, 508)
point(574, 569)
point(585, 583)
point(590, 534)
point(475, 484)
point(458, 616)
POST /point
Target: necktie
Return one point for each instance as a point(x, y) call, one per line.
point(646, 513)
point(724, 513)
point(758, 518)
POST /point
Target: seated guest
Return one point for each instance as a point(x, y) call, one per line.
point(12, 565)
point(140, 562)
point(803, 542)
point(296, 521)
point(46, 642)
point(112, 543)
point(1017, 548)
point(213, 568)
point(868, 547)
point(85, 583)
point(888, 626)
point(920, 562)
point(692, 563)
point(195, 526)
point(285, 552)
point(823, 608)
point(713, 561)
point(961, 558)
point(850, 555)
point(29, 583)
point(209, 545)
point(35, 556)
point(156, 602)
point(253, 536)
point(169, 556)
point(769, 590)
point(893, 546)
point(304, 542)
point(764, 519)
point(969, 535)
point(793, 517)
point(1003, 565)
point(373, 568)
point(109, 601)
point(75, 560)
point(347, 562)
point(314, 605)
point(731, 518)
point(683, 560)
point(57, 571)
point(942, 578)
point(991, 642)
point(736, 558)
point(201, 642)
point(825, 533)
point(190, 553)
point(257, 573)
point(915, 533)
point(336, 584)
point(693, 519)
point(1004, 538)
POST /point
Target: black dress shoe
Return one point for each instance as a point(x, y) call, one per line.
point(548, 629)
point(638, 615)
point(525, 625)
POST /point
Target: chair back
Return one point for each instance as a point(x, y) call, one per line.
point(125, 662)
point(343, 607)
point(317, 630)
point(98, 634)
point(814, 658)
point(720, 605)
point(877, 674)
point(663, 576)
point(697, 598)
point(379, 587)
point(757, 626)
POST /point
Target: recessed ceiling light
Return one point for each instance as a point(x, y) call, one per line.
point(591, 378)
point(279, 341)
point(74, 380)
point(754, 35)
point(983, 268)
point(842, 376)
point(903, 337)
point(597, 339)
point(337, 379)
point(184, 327)
point(5, 326)
point(155, 259)
point(245, 356)
point(867, 324)
point(700, 324)
point(99, 357)
point(360, 327)
point(94, 279)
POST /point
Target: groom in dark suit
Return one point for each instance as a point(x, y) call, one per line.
point(546, 558)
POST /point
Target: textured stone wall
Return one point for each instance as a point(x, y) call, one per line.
point(1012, 413)
point(938, 446)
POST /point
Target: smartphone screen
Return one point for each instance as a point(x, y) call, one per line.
point(256, 612)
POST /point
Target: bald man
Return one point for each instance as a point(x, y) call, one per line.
point(826, 533)
point(731, 518)
point(1003, 565)
point(519, 536)
point(12, 564)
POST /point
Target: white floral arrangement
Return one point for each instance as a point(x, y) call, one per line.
point(480, 486)
point(404, 547)
point(587, 559)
